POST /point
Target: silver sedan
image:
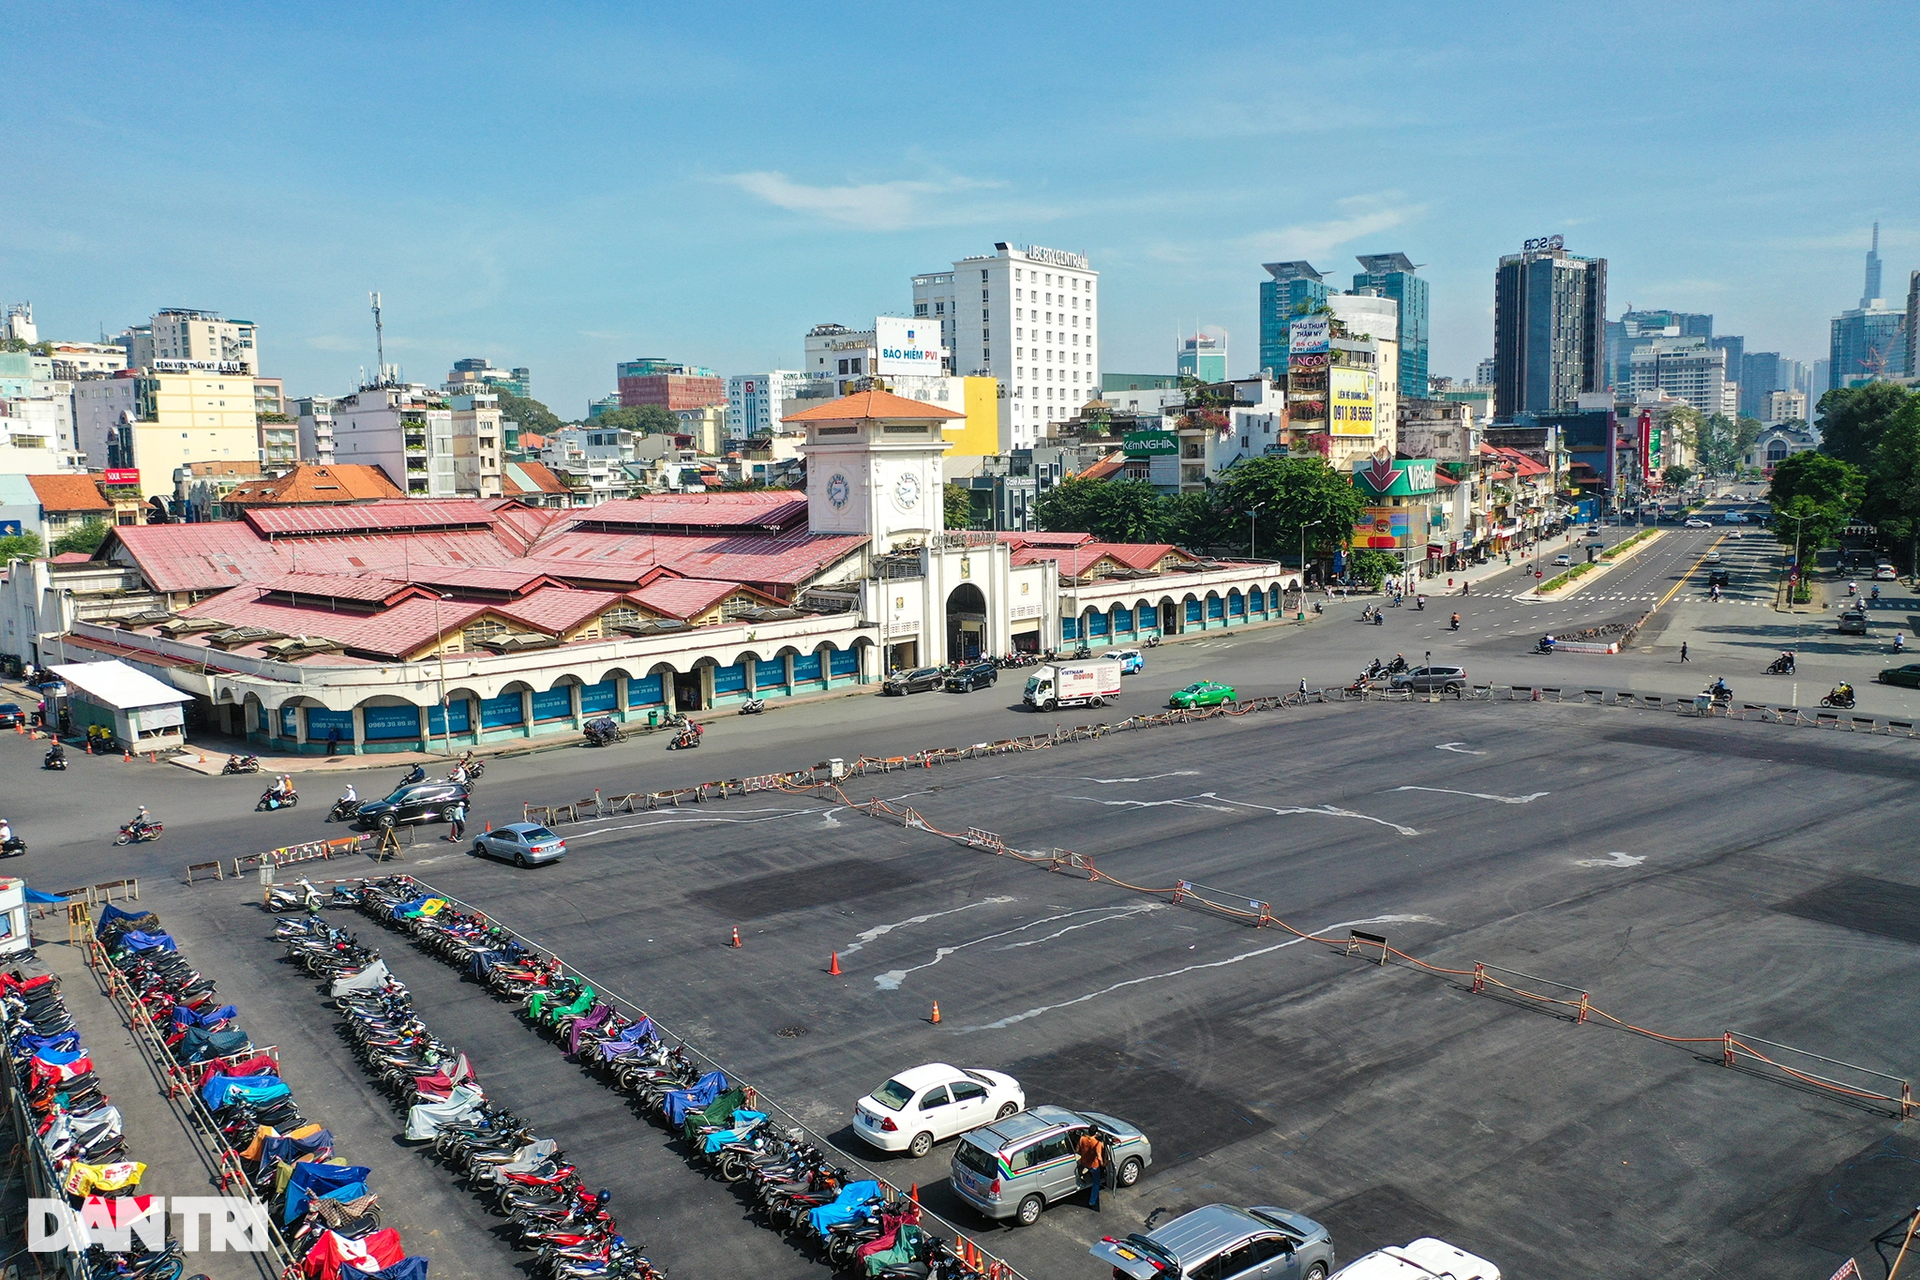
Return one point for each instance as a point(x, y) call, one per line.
point(524, 844)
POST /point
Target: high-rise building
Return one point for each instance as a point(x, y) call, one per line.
point(1202, 356)
point(1688, 369)
point(1549, 328)
point(1037, 331)
point(1635, 327)
point(756, 402)
point(1870, 296)
point(200, 341)
point(1391, 275)
point(1736, 351)
point(1913, 323)
point(1485, 372)
point(1820, 383)
point(1761, 374)
point(157, 420)
point(1295, 288)
point(669, 384)
point(476, 375)
point(1867, 344)
point(1784, 406)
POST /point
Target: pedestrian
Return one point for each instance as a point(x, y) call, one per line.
point(1683, 651)
point(1303, 686)
point(1093, 1164)
point(333, 741)
point(457, 823)
point(66, 723)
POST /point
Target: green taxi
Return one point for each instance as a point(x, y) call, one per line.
point(1204, 693)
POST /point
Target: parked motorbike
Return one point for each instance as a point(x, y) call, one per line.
point(295, 897)
point(1153, 642)
point(603, 731)
point(274, 799)
point(1084, 651)
point(241, 764)
point(753, 706)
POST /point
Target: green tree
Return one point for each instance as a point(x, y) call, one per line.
point(530, 414)
point(20, 546)
point(1853, 418)
point(1813, 498)
point(1110, 510)
point(1676, 476)
point(87, 538)
point(1195, 521)
point(1370, 566)
point(1685, 425)
point(957, 502)
point(1892, 500)
point(1722, 442)
point(1287, 495)
point(648, 419)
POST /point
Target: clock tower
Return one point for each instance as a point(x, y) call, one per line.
point(873, 468)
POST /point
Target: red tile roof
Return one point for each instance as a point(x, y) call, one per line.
point(764, 560)
point(70, 557)
point(758, 509)
point(1075, 561)
point(530, 477)
point(690, 597)
point(871, 404)
point(69, 493)
point(394, 633)
point(557, 610)
point(1034, 538)
point(310, 484)
point(513, 578)
point(399, 515)
point(336, 586)
point(215, 556)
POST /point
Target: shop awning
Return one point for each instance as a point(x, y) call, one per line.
point(115, 684)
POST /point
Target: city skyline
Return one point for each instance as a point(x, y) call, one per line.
point(490, 233)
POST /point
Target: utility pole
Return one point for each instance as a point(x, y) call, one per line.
point(379, 343)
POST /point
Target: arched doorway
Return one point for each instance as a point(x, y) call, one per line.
point(966, 623)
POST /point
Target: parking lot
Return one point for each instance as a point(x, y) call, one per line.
point(1692, 877)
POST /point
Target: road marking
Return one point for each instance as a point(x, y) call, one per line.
point(1225, 805)
point(1480, 795)
point(1460, 747)
point(1136, 909)
point(1010, 1020)
point(891, 980)
point(882, 930)
point(686, 820)
point(1152, 777)
point(1611, 860)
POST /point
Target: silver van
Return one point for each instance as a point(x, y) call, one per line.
point(1016, 1167)
point(1220, 1242)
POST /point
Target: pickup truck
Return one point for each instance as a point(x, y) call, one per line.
point(1073, 684)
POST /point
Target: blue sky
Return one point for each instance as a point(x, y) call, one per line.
point(564, 187)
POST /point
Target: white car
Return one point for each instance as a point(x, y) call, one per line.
point(1424, 1259)
point(1735, 536)
point(1562, 559)
point(1698, 524)
point(1713, 557)
point(1886, 573)
point(923, 1106)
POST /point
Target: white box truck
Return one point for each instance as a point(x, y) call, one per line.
point(1073, 684)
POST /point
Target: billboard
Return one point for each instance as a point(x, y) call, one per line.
point(1350, 393)
point(123, 475)
point(1149, 444)
point(1389, 477)
point(1384, 527)
point(903, 345)
point(1309, 335)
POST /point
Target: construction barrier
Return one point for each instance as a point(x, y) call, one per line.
point(311, 851)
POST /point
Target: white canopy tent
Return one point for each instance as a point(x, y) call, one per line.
point(143, 713)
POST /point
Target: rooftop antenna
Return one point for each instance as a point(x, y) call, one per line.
point(379, 342)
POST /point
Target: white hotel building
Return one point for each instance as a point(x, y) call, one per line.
point(1037, 331)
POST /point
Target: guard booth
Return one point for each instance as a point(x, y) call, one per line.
point(139, 710)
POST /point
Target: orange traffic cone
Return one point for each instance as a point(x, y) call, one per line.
point(936, 1013)
point(19, 726)
point(128, 757)
point(914, 1193)
point(834, 968)
point(736, 937)
point(489, 825)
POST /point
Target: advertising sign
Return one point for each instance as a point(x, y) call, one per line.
point(1646, 442)
point(1396, 477)
point(1309, 335)
point(1151, 444)
point(123, 475)
point(1351, 401)
point(903, 345)
point(9, 528)
point(1384, 527)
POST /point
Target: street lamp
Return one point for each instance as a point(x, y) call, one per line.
point(1252, 511)
point(440, 651)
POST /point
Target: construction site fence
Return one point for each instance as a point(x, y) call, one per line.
point(215, 1153)
point(311, 851)
point(600, 805)
point(975, 1262)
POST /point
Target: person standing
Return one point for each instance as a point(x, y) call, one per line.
point(1093, 1163)
point(333, 741)
point(457, 824)
point(1683, 651)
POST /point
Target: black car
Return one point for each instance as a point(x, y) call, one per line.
point(918, 680)
point(11, 715)
point(970, 676)
point(1719, 578)
point(420, 802)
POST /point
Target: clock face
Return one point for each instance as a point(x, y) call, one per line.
point(837, 490)
point(906, 491)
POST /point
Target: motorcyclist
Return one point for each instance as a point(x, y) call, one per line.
point(141, 821)
point(1454, 624)
point(56, 752)
point(1842, 692)
point(6, 831)
point(1875, 595)
point(1786, 662)
point(351, 796)
point(1719, 688)
point(419, 774)
point(1899, 642)
point(1546, 643)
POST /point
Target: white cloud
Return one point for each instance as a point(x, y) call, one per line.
point(870, 206)
point(1356, 216)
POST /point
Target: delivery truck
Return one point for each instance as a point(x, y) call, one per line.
point(1073, 684)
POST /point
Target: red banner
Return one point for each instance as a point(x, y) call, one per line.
point(123, 475)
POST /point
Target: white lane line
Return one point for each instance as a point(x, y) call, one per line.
point(1611, 860)
point(1138, 908)
point(891, 980)
point(1480, 795)
point(1152, 777)
point(882, 930)
point(1010, 1020)
point(685, 820)
point(1459, 747)
point(1224, 805)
